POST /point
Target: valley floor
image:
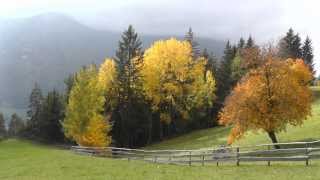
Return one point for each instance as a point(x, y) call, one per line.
point(24, 160)
point(27, 161)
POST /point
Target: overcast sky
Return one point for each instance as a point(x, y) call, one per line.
point(265, 20)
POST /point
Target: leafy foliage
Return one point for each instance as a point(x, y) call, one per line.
point(84, 122)
point(262, 98)
point(173, 82)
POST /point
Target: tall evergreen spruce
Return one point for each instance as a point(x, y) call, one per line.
point(296, 47)
point(16, 126)
point(241, 44)
point(290, 45)
point(212, 61)
point(307, 54)
point(250, 42)
point(130, 119)
point(34, 112)
point(224, 82)
point(51, 117)
point(3, 131)
point(194, 44)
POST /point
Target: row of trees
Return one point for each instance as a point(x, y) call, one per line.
point(15, 126)
point(139, 97)
point(154, 95)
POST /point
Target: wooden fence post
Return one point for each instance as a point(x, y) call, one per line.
point(189, 158)
point(202, 159)
point(155, 159)
point(238, 156)
point(307, 154)
point(269, 161)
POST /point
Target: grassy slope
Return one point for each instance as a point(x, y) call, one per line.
point(24, 160)
point(213, 137)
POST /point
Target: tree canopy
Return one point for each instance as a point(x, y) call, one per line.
point(269, 98)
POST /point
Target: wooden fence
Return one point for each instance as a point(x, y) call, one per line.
point(295, 151)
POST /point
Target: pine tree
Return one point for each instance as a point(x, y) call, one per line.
point(241, 43)
point(16, 125)
point(250, 42)
point(224, 82)
point(307, 54)
point(130, 99)
point(34, 112)
point(212, 61)
point(296, 47)
point(69, 81)
point(194, 44)
point(51, 117)
point(3, 131)
point(290, 45)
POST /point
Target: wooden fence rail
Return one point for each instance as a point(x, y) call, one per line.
point(296, 151)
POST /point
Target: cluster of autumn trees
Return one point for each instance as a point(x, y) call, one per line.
point(145, 95)
point(164, 87)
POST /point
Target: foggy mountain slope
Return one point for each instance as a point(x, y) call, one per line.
point(47, 48)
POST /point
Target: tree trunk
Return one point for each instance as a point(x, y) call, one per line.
point(150, 128)
point(273, 138)
point(161, 131)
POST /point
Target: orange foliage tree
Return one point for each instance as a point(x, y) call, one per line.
point(269, 98)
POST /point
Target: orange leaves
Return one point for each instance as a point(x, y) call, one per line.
point(268, 98)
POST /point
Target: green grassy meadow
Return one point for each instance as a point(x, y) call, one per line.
point(24, 160)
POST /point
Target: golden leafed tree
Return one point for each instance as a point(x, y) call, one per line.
point(173, 81)
point(85, 122)
point(269, 98)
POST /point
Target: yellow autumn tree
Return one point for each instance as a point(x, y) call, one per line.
point(269, 98)
point(173, 81)
point(107, 78)
point(85, 122)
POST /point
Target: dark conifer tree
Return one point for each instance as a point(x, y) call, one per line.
point(34, 112)
point(307, 54)
point(224, 73)
point(290, 45)
point(129, 121)
point(51, 118)
point(16, 126)
point(69, 81)
point(296, 47)
point(241, 43)
point(194, 44)
point(3, 131)
point(250, 42)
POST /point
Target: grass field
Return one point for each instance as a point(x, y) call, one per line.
point(27, 161)
point(214, 137)
point(21, 160)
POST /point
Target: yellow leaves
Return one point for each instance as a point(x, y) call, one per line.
point(96, 133)
point(107, 74)
point(268, 98)
point(301, 70)
point(172, 79)
point(164, 117)
point(84, 122)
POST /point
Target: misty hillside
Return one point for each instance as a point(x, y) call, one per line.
point(46, 48)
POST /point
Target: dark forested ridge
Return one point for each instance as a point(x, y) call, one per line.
point(47, 48)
